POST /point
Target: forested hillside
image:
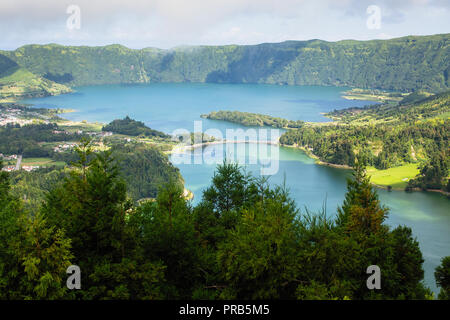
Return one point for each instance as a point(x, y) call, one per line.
point(403, 64)
point(16, 81)
point(132, 127)
point(244, 240)
point(28, 140)
point(388, 135)
point(252, 119)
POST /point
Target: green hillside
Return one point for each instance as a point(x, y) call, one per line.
point(19, 82)
point(403, 64)
point(398, 140)
point(133, 128)
point(252, 119)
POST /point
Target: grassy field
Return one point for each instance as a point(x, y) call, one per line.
point(396, 177)
point(18, 82)
point(17, 75)
point(369, 95)
point(41, 162)
point(73, 126)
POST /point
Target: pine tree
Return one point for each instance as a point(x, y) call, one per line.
point(396, 252)
point(362, 211)
point(92, 207)
point(34, 255)
point(442, 276)
point(258, 259)
point(169, 236)
point(229, 188)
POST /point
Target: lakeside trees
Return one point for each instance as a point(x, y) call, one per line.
point(442, 275)
point(132, 127)
point(253, 119)
point(91, 205)
point(144, 169)
point(34, 254)
point(433, 174)
point(386, 136)
point(244, 240)
point(16, 139)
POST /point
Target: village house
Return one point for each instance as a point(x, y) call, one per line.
point(30, 168)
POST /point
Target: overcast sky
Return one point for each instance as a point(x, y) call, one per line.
point(170, 23)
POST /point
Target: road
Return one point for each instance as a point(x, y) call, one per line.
point(19, 161)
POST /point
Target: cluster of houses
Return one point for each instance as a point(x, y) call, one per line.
point(29, 168)
point(64, 147)
point(11, 157)
point(8, 158)
point(94, 134)
point(17, 165)
point(26, 168)
point(100, 134)
point(69, 145)
point(12, 116)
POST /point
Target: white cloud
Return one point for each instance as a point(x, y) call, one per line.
point(168, 23)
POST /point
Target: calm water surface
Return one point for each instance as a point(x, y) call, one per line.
point(168, 107)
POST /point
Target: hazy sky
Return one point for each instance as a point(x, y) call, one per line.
point(169, 23)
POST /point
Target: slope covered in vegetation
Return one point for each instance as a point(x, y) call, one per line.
point(132, 127)
point(403, 64)
point(252, 119)
point(244, 240)
point(386, 136)
point(20, 83)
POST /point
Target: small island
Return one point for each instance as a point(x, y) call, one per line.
point(403, 143)
point(253, 119)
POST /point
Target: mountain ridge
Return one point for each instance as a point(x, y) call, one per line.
point(401, 64)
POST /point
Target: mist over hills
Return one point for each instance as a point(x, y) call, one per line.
point(402, 64)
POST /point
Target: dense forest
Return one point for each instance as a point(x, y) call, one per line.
point(402, 64)
point(413, 107)
point(244, 240)
point(252, 119)
point(144, 168)
point(387, 135)
point(117, 207)
point(16, 81)
point(27, 140)
point(132, 127)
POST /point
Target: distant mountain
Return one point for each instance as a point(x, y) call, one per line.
point(403, 64)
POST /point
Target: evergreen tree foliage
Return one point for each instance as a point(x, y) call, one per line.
point(34, 255)
point(442, 275)
point(92, 207)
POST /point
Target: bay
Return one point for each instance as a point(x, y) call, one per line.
point(169, 106)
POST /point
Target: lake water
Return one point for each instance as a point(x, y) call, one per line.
point(168, 107)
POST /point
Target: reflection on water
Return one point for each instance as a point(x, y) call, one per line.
point(169, 106)
point(427, 214)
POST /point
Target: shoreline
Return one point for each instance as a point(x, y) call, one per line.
point(309, 154)
point(182, 149)
point(347, 167)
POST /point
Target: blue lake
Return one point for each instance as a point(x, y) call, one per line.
point(168, 107)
